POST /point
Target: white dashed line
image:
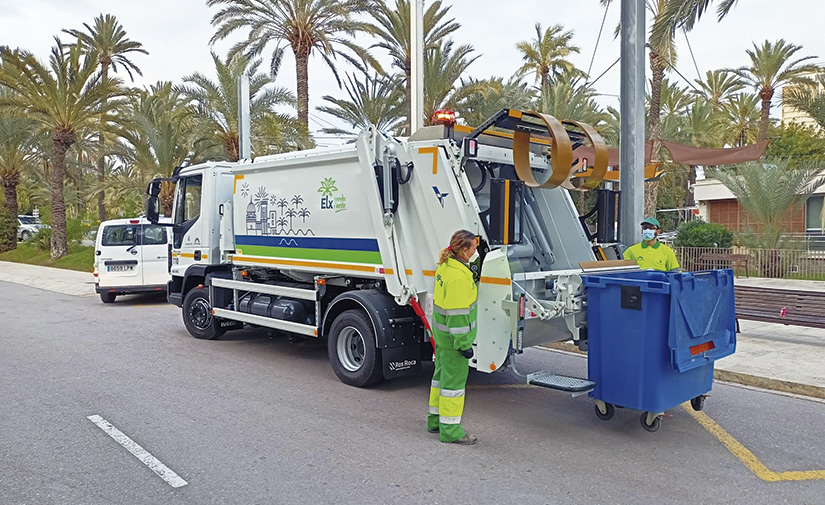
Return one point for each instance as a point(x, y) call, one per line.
point(139, 452)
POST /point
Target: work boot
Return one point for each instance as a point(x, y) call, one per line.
point(466, 440)
point(433, 431)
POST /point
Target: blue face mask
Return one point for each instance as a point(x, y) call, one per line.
point(648, 234)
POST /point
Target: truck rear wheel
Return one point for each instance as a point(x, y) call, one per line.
point(197, 315)
point(352, 349)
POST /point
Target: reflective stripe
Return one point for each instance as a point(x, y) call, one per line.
point(434, 410)
point(435, 384)
point(458, 330)
point(454, 312)
point(452, 393)
point(449, 420)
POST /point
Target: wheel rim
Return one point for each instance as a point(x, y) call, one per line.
point(200, 313)
point(351, 349)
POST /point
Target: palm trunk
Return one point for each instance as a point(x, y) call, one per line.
point(10, 190)
point(101, 157)
point(301, 59)
point(690, 201)
point(764, 121)
point(408, 73)
point(62, 141)
point(657, 68)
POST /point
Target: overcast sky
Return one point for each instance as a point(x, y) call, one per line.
point(176, 33)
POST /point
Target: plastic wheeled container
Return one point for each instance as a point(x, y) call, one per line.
point(653, 338)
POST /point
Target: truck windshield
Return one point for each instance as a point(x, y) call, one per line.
point(188, 199)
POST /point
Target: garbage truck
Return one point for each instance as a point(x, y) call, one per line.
point(340, 243)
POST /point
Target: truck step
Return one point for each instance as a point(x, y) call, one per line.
point(561, 382)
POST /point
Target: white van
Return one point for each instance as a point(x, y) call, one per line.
point(131, 256)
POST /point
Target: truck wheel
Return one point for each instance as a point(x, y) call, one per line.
point(108, 297)
point(197, 315)
point(352, 350)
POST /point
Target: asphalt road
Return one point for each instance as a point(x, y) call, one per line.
point(251, 419)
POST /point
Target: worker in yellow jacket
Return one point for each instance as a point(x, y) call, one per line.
point(650, 253)
point(455, 316)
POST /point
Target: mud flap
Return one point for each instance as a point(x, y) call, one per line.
point(401, 361)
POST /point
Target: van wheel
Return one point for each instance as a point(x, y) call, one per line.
point(108, 297)
point(352, 349)
point(197, 315)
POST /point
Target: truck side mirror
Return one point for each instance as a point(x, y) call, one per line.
point(152, 202)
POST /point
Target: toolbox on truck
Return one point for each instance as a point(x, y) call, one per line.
point(654, 337)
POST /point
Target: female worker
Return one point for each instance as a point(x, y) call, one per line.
point(454, 331)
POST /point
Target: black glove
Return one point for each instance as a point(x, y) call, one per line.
point(467, 353)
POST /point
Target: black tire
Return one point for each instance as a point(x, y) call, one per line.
point(24, 236)
point(352, 349)
point(108, 297)
point(197, 315)
point(654, 426)
point(608, 415)
point(698, 403)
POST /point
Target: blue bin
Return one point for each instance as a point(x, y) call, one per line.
point(653, 336)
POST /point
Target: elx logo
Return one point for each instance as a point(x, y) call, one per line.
point(441, 196)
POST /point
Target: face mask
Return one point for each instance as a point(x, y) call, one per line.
point(473, 257)
point(648, 234)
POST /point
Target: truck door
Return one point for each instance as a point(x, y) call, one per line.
point(154, 255)
point(187, 229)
point(120, 256)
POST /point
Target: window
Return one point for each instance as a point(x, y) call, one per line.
point(188, 199)
point(813, 213)
point(120, 235)
point(153, 235)
point(28, 220)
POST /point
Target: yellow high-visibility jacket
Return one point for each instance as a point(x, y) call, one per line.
point(455, 310)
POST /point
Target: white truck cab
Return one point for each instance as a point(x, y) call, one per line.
point(131, 256)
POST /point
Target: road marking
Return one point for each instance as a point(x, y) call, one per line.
point(746, 456)
point(139, 452)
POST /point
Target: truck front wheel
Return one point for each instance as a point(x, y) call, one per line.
point(352, 349)
point(197, 315)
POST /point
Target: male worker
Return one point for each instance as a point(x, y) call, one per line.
point(650, 253)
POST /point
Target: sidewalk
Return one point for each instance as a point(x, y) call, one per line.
point(771, 356)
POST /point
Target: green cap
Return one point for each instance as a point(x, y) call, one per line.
point(653, 221)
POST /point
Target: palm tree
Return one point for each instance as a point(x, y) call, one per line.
point(304, 25)
point(375, 100)
point(769, 191)
point(17, 153)
point(393, 28)
point(719, 86)
point(567, 97)
point(772, 67)
point(743, 119)
point(217, 102)
point(547, 54)
point(493, 95)
point(443, 67)
point(685, 13)
point(164, 134)
point(809, 98)
point(63, 98)
point(108, 42)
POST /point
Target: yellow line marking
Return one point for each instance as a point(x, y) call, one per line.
point(235, 184)
point(434, 152)
point(746, 456)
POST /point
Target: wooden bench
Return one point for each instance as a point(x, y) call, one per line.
point(724, 260)
point(784, 306)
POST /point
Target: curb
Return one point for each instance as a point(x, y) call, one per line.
point(727, 376)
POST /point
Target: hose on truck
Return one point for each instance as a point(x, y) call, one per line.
point(420, 313)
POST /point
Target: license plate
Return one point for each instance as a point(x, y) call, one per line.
point(120, 268)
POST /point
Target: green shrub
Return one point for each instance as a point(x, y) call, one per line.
point(74, 229)
point(8, 230)
point(43, 239)
point(697, 233)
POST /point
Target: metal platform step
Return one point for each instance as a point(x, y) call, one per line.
point(560, 382)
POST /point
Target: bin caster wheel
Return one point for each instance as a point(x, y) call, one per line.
point(698, 403)
point(607, 415)
point(650, 425)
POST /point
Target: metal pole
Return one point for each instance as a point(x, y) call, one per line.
point(416, 65)
point(632, 107)
point(244, 126)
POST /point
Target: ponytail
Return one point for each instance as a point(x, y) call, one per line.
point(461, 240)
